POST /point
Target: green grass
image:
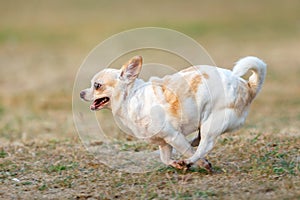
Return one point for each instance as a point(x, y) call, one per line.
point(27, 183)
point(3, 154)
point(60, 167)
point(42, 187)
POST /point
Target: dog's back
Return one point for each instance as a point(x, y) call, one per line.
point(193, 95)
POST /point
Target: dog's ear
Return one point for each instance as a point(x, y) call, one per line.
point(131, 69)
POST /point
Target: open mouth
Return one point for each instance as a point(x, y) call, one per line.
point(99, 103)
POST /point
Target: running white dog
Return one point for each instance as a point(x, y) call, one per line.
point(165, 110)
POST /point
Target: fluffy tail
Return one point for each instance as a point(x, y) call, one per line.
point(258, 68)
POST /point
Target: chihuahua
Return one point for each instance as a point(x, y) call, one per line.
point(164, 111)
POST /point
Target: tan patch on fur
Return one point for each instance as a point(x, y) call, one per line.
point(195, 82)
point(172, 100)
point(205, 75)
point(243, 100)
point(154, 89)
point(156, 84)
point(169, 95)
point(111, 83)
point(117, 96)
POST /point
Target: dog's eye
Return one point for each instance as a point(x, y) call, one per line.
point(97, 85)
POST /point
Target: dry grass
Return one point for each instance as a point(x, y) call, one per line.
point(41, 48)
point(246, 166)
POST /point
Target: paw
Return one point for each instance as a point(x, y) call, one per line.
point(181, 164)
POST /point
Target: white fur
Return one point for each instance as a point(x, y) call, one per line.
point(257, 66)
point(165, 110)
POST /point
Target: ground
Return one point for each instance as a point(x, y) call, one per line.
point(41, 48)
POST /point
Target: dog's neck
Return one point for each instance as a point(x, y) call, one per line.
point(123, 93)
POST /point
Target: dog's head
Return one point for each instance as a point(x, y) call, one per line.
point(104, 83)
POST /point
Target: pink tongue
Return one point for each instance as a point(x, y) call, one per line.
point(93, 106)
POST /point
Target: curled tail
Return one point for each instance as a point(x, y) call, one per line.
point(258, 68)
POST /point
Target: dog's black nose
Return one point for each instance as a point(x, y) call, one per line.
point(82, 94)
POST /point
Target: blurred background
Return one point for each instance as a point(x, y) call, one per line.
point(43, 43)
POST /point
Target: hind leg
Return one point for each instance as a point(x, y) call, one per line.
point(209, 133)
point(215, 125)
point(206, 144)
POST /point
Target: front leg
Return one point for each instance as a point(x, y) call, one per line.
point(165, 156)
point(166, 153)
point(179, 142)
